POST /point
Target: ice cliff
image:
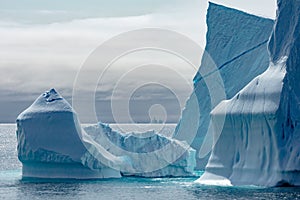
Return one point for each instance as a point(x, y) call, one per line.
point(260, 141)
point(237, 45)
point(52, 144)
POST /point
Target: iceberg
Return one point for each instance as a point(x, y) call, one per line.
point(150, 154)
point(52, 144)
point(236, 43)
point(259, 143)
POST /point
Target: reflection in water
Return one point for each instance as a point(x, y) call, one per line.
point(133, 188)
point(44, 189)
point(215, 192)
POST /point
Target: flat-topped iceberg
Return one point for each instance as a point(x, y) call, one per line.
point(259, 143)
point(52, 144)
point(236, 42)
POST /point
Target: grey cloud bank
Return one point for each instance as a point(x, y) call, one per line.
point(43, 45)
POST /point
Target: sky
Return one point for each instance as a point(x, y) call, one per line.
point(45, 43)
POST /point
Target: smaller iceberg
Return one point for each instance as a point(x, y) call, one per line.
point(150, 154)
point(52, 144)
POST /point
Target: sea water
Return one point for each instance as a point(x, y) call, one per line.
point(12, 186)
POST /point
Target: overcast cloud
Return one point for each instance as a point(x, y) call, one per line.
point(43, 44)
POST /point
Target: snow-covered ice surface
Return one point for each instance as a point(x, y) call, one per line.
point(237, 44)
point(260, 141)
point(51, 143)
point(150, 154)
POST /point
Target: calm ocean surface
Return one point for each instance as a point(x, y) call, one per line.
point(13, 187)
